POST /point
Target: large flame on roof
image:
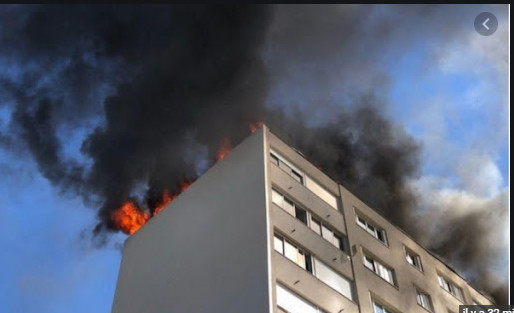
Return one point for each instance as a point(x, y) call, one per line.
point(129, 218)
point(167, 197)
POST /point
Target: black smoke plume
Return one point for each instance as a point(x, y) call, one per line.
point(151, 91)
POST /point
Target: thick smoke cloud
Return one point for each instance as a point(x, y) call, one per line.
point(367, 154)
point(185, 71)
point(146, 85)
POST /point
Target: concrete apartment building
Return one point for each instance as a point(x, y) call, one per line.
point(264, 230)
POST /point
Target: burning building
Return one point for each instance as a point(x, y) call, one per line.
point(264, 230)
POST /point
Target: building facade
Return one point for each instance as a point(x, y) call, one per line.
point(264, 230)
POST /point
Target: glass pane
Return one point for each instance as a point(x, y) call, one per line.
point(336, 241)
point(445, 284)
point(409, 259)
point(381, 235)
point(417, 262)
point(297, 176)
point(292, 302)
point(290, 251)
point(288, 206)
point(389, 275)
point(301, 259)
point(361, 222)
point(377, 308)
point(424, 300)
point(384, 272)
point(308, 263)
point(316, 226)
point(428, 304)
point(326, 233)
point(279, 245)
point(441, 281)
point(301, 214)
point(333, 279)
point(277, 198)
point(458, 292)
point(372, 230)
point(369, 263)
point(321, 192)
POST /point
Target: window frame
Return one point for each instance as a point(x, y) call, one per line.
point(292, 168)
point(385, 308)
point(334, 234)
point(280, 285)
point(410, 253)
point(366, 225)
point(310, 218)
point(298, 251)
point(310, 262)
point(452, 287)
point(294, 205)
point(379, 267)
point(302, 178)
point(419, 293)
point(335, 272)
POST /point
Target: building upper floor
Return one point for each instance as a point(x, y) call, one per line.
point(385, 267)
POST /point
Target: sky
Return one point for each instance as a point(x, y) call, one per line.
point(449, 93)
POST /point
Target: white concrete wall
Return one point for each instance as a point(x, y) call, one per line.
point(208, 250)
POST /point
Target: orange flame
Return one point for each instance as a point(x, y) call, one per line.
point(166, 199)
point(224, 149)
point(254, 127)
point(184, 185)
point(128, 218)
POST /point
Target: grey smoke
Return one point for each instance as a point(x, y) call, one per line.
point(150, 84)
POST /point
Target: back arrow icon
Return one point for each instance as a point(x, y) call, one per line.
point(484, 24)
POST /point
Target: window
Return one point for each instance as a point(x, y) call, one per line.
point(332, 279)
point(308, 219)
point(293, 303)
point(297, 175)
point(316, 226)
point(288, 206)
point(279, 244)
point(379, 269)
point(379, 308)
point(287, 167)
point(424, 300)
point(321, 192)
point(379, 234)
point(413, 259)
point(314, 266)
point(290, 251)
point(450, 287)
point(329, 235)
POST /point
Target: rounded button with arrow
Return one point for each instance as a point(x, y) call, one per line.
point(486, 23)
